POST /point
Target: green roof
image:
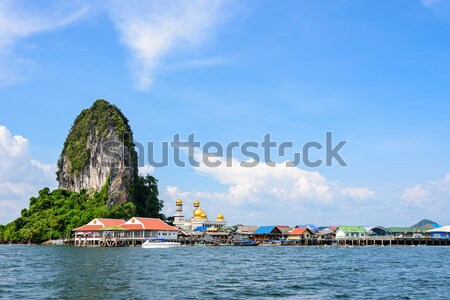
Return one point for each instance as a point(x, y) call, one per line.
point(113, 228)
point(232, 228)
point(352, 229)
point(406, 229)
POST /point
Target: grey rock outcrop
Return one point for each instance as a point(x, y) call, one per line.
point(99, 153)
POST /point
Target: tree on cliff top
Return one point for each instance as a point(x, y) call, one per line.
point(99, 146)
point(54, 214)
point(96, 120)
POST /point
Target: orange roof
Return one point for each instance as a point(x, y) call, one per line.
point(100, 223)
point(88, 228)
point(111, 222)
point(298, 231)
point(283, 226)
point(132, 226)
point(333, 228)
point(149, 224)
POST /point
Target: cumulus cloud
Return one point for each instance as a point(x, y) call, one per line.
point(147, 169)
point(262, 182)
point(358, 193)
point(19, 20)
point(265, 189)
point(20, 175)
point(427, 200)
point(153, 30)
point(416, 194)
point(435, 192)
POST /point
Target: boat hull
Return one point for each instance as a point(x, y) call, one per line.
point(161, 245)
point(246, 243)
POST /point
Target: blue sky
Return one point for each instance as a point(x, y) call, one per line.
point(376, 76)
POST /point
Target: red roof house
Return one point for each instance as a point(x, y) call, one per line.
point(99, 224)
point(152, 224)
point(299, 233)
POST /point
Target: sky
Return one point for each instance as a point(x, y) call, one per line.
point(375, 75)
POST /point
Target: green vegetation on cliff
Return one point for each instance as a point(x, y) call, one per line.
point(54, 214)
point(146, 197)
point(98, 121)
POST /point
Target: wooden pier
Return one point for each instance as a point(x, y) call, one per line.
point(393, 241)
point(192, 240)
point(108, 242)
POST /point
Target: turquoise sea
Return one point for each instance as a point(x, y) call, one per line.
point(52, 272)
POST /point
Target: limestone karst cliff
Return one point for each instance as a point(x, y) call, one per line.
point(98, 178)
point(99, 151)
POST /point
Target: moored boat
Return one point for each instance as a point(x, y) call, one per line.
point(200, 245)
point(269, 244)
point(160, 243)
point(246, 243)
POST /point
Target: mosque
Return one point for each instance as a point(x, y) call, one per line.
point(199, 219)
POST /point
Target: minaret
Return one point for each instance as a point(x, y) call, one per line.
point(178, 217)
point(196, 206)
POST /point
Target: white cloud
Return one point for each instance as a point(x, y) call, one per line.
point(263, 190)
point(147, 169)
point(204, 62)
point(153, 30)
point(20, 175)
point(435, 192)
point(262, 182)
point(358, 193)
point(19, 20)
point(443, 185)
point(416, 195)
point(428, 200)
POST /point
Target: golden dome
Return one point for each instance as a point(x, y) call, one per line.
point(196, 203)
point(204, 216)
point(198, 213)
point(219, 217)
point(179, 202)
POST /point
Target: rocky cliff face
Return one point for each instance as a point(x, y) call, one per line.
point(99, 152)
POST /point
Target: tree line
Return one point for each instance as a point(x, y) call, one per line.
point(54, 214)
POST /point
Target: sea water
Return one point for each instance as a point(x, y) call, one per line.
point(65, 272)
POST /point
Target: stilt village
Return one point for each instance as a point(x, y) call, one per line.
point(200, 230)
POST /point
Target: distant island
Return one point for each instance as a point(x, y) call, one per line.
point(95, 181)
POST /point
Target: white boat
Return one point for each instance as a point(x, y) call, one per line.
point(160, 243)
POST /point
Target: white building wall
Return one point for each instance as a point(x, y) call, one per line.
point(340, 234)
point(170, 235)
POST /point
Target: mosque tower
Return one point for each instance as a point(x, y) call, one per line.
point(199, 218)
point(178, 218)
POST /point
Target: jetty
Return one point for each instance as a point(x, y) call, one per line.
point(199, 230)
point(117, 239)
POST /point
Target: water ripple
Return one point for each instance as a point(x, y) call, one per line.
point(45, 272)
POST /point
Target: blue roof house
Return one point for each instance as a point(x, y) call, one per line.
point(440, 233)
point(267, 233)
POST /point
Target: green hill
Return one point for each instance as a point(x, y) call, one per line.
point(93, 184)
